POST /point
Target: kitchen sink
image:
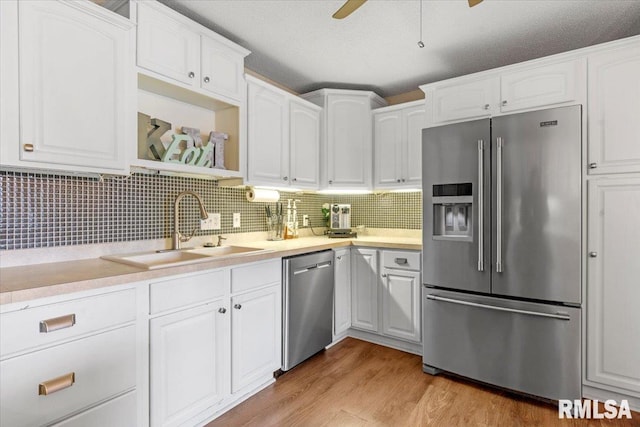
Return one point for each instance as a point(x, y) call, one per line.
point(172, 258)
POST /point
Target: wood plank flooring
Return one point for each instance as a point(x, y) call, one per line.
point(356, 383)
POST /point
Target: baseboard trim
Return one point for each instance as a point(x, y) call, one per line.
point(408, 347)
point(601, 395)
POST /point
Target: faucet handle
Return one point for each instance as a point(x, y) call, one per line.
point(187, 238)
point(220, 239)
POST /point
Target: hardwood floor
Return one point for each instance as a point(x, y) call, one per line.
point(356, 383)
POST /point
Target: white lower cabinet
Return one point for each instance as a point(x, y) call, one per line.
point(342, 291)
point(77, 359)
point(364, 289)
point(188, 362)
point(214, 337)
point(401, 304)
point(120, 412)
point(613, 291)
point(256, 331)
point(386, 301)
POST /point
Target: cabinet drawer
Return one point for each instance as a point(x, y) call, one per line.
point(184, 291)
point(25, 329)
point(401, 259)
point(120, 412)
point(256, 275)
point(103, 365)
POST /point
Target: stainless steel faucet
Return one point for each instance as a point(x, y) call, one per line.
point(177, 237)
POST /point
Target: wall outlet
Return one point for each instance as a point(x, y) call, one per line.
point(211, 223)
point(305, 220)
point(236, 220)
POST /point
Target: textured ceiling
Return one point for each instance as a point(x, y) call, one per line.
point(298, 44)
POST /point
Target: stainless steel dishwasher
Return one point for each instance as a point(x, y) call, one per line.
point(307, 305)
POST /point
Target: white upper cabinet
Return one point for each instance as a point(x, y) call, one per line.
point(542, 86)
point(222, 69)
point(614, 110)
point(268, 136)
point(284, 138)
point(527, 86)
point(76, 81)
point(304, 146)
point(455, 101)
point(397, 146)
point(167, 45)
point(174, 47)
point(347, 143)
point(387, 141)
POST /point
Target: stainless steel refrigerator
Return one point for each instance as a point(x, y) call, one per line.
point(502, 251)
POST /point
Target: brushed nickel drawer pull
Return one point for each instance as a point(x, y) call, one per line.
point(56, 323)
point(402, 261)
point(56, 384)
point(28, 147)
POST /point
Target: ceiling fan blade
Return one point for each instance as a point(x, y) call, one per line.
point(348, 8)
point(474, 2)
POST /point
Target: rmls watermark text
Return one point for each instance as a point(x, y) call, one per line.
point(590, 409)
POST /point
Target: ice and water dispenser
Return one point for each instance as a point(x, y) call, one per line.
point(453, 212)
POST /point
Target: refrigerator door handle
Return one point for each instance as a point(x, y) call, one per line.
point(480, 205)
point(499, 206)
point(559, 316)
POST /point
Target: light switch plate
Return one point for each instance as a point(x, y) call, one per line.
point(236, 219)
point(305, 220)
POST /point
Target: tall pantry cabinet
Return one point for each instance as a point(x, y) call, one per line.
point(613, 233)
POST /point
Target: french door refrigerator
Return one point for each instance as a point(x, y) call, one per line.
point(502, 251)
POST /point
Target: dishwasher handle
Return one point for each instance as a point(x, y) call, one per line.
point(312, 267)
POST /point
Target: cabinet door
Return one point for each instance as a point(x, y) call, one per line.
point(465, 101)
point(614, 108)
point(166, 45)
point(268, 136)
point(76, 77)
point(388, 144)
point(542, 86)
point(304, 145)
point(613, 318)
point(188, 363)
point(401, 304)
point(349, 143)
point(364, 289)
point(342, 293)
point(222, 69)
point(414, 122)
point(256, 336)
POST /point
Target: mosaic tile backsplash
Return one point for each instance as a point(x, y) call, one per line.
point(40, 210)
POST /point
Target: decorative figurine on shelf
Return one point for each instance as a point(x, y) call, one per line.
point(218, 139)
point(149, 133)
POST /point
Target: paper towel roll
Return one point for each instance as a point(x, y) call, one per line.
point(262, 195)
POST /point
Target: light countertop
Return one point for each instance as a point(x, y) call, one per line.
point(23, 283)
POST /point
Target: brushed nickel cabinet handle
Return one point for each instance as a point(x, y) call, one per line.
point(486, 106)
point(401, 261)
point(222, 310)
point(207, 79)
point(191, 74)
point(56, 384)
point(56, 323)
point(593, 165)
point(237, 306)
point(504, 103)
point(27, 147)
point(593, 254)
